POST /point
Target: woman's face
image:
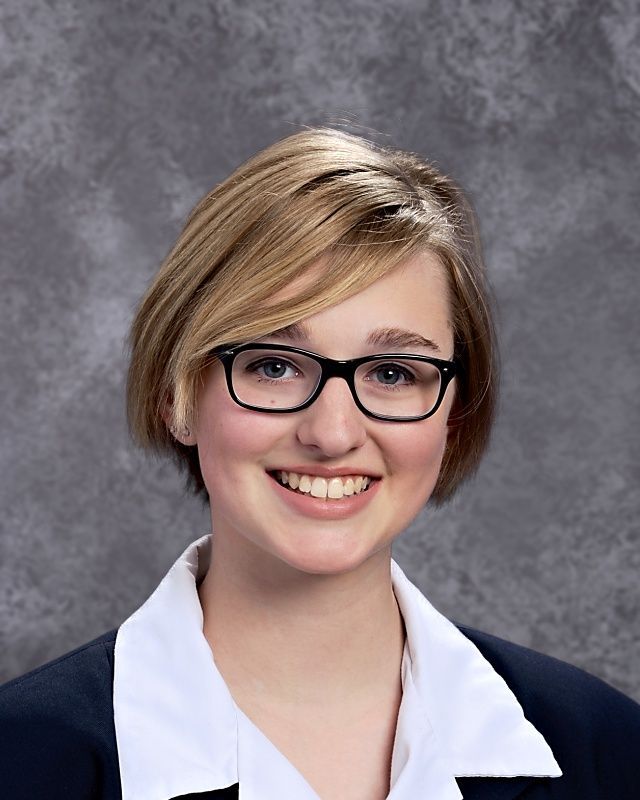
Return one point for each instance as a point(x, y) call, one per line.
point(240, 449)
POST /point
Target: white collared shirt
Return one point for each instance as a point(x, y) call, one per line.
point(179, 731)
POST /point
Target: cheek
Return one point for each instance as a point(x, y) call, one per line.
point(417, 454)
point(231, 445)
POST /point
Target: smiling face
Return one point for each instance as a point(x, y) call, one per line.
point(243, 452)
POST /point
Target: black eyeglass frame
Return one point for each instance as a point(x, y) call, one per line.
point(331, 368)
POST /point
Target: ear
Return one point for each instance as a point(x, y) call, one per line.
point(184, 436)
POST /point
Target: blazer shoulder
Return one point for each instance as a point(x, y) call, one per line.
point(592, 728)
point(90, 654)
point(57, 736)
point(538, 676)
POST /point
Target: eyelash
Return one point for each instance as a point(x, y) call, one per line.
point(263, 378)
point(406, 374)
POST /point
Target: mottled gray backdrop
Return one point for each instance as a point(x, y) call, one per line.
point(117, 116)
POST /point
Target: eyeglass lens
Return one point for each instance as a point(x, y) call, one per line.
point(273, 379)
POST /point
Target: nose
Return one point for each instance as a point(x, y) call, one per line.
point(333, 424)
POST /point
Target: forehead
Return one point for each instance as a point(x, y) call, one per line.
point(406, 309)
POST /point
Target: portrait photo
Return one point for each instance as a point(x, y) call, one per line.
point(320, 378)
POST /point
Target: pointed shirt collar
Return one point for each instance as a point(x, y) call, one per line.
point(179, 731)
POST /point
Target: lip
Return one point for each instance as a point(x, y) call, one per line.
point(318, 507)
point(326, 472)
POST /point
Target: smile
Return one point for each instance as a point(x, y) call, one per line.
point(323, 488)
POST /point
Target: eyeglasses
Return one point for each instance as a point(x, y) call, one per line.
point(278, 379)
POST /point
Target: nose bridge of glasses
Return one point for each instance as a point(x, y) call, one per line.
point(332, 368)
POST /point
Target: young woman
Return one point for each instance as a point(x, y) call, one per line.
point(317, 352)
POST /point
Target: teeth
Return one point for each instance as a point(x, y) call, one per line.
point(333, 488)
point(319, 487)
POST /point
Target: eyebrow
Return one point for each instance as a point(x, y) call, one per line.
point(380, 337)
point(400, 337)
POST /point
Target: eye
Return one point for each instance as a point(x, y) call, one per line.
point(390, 375)
point(273, 369)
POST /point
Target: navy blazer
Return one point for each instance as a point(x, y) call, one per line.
point(57, 736)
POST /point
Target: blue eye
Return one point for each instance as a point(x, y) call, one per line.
point(273, 369)
point(391, 375)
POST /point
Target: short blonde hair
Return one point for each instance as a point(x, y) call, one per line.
point(317, 193)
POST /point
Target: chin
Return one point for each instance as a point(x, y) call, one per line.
point(329, 557)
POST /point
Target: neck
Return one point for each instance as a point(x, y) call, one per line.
point(300, 639)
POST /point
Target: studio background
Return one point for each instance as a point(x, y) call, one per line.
point(116, 117)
